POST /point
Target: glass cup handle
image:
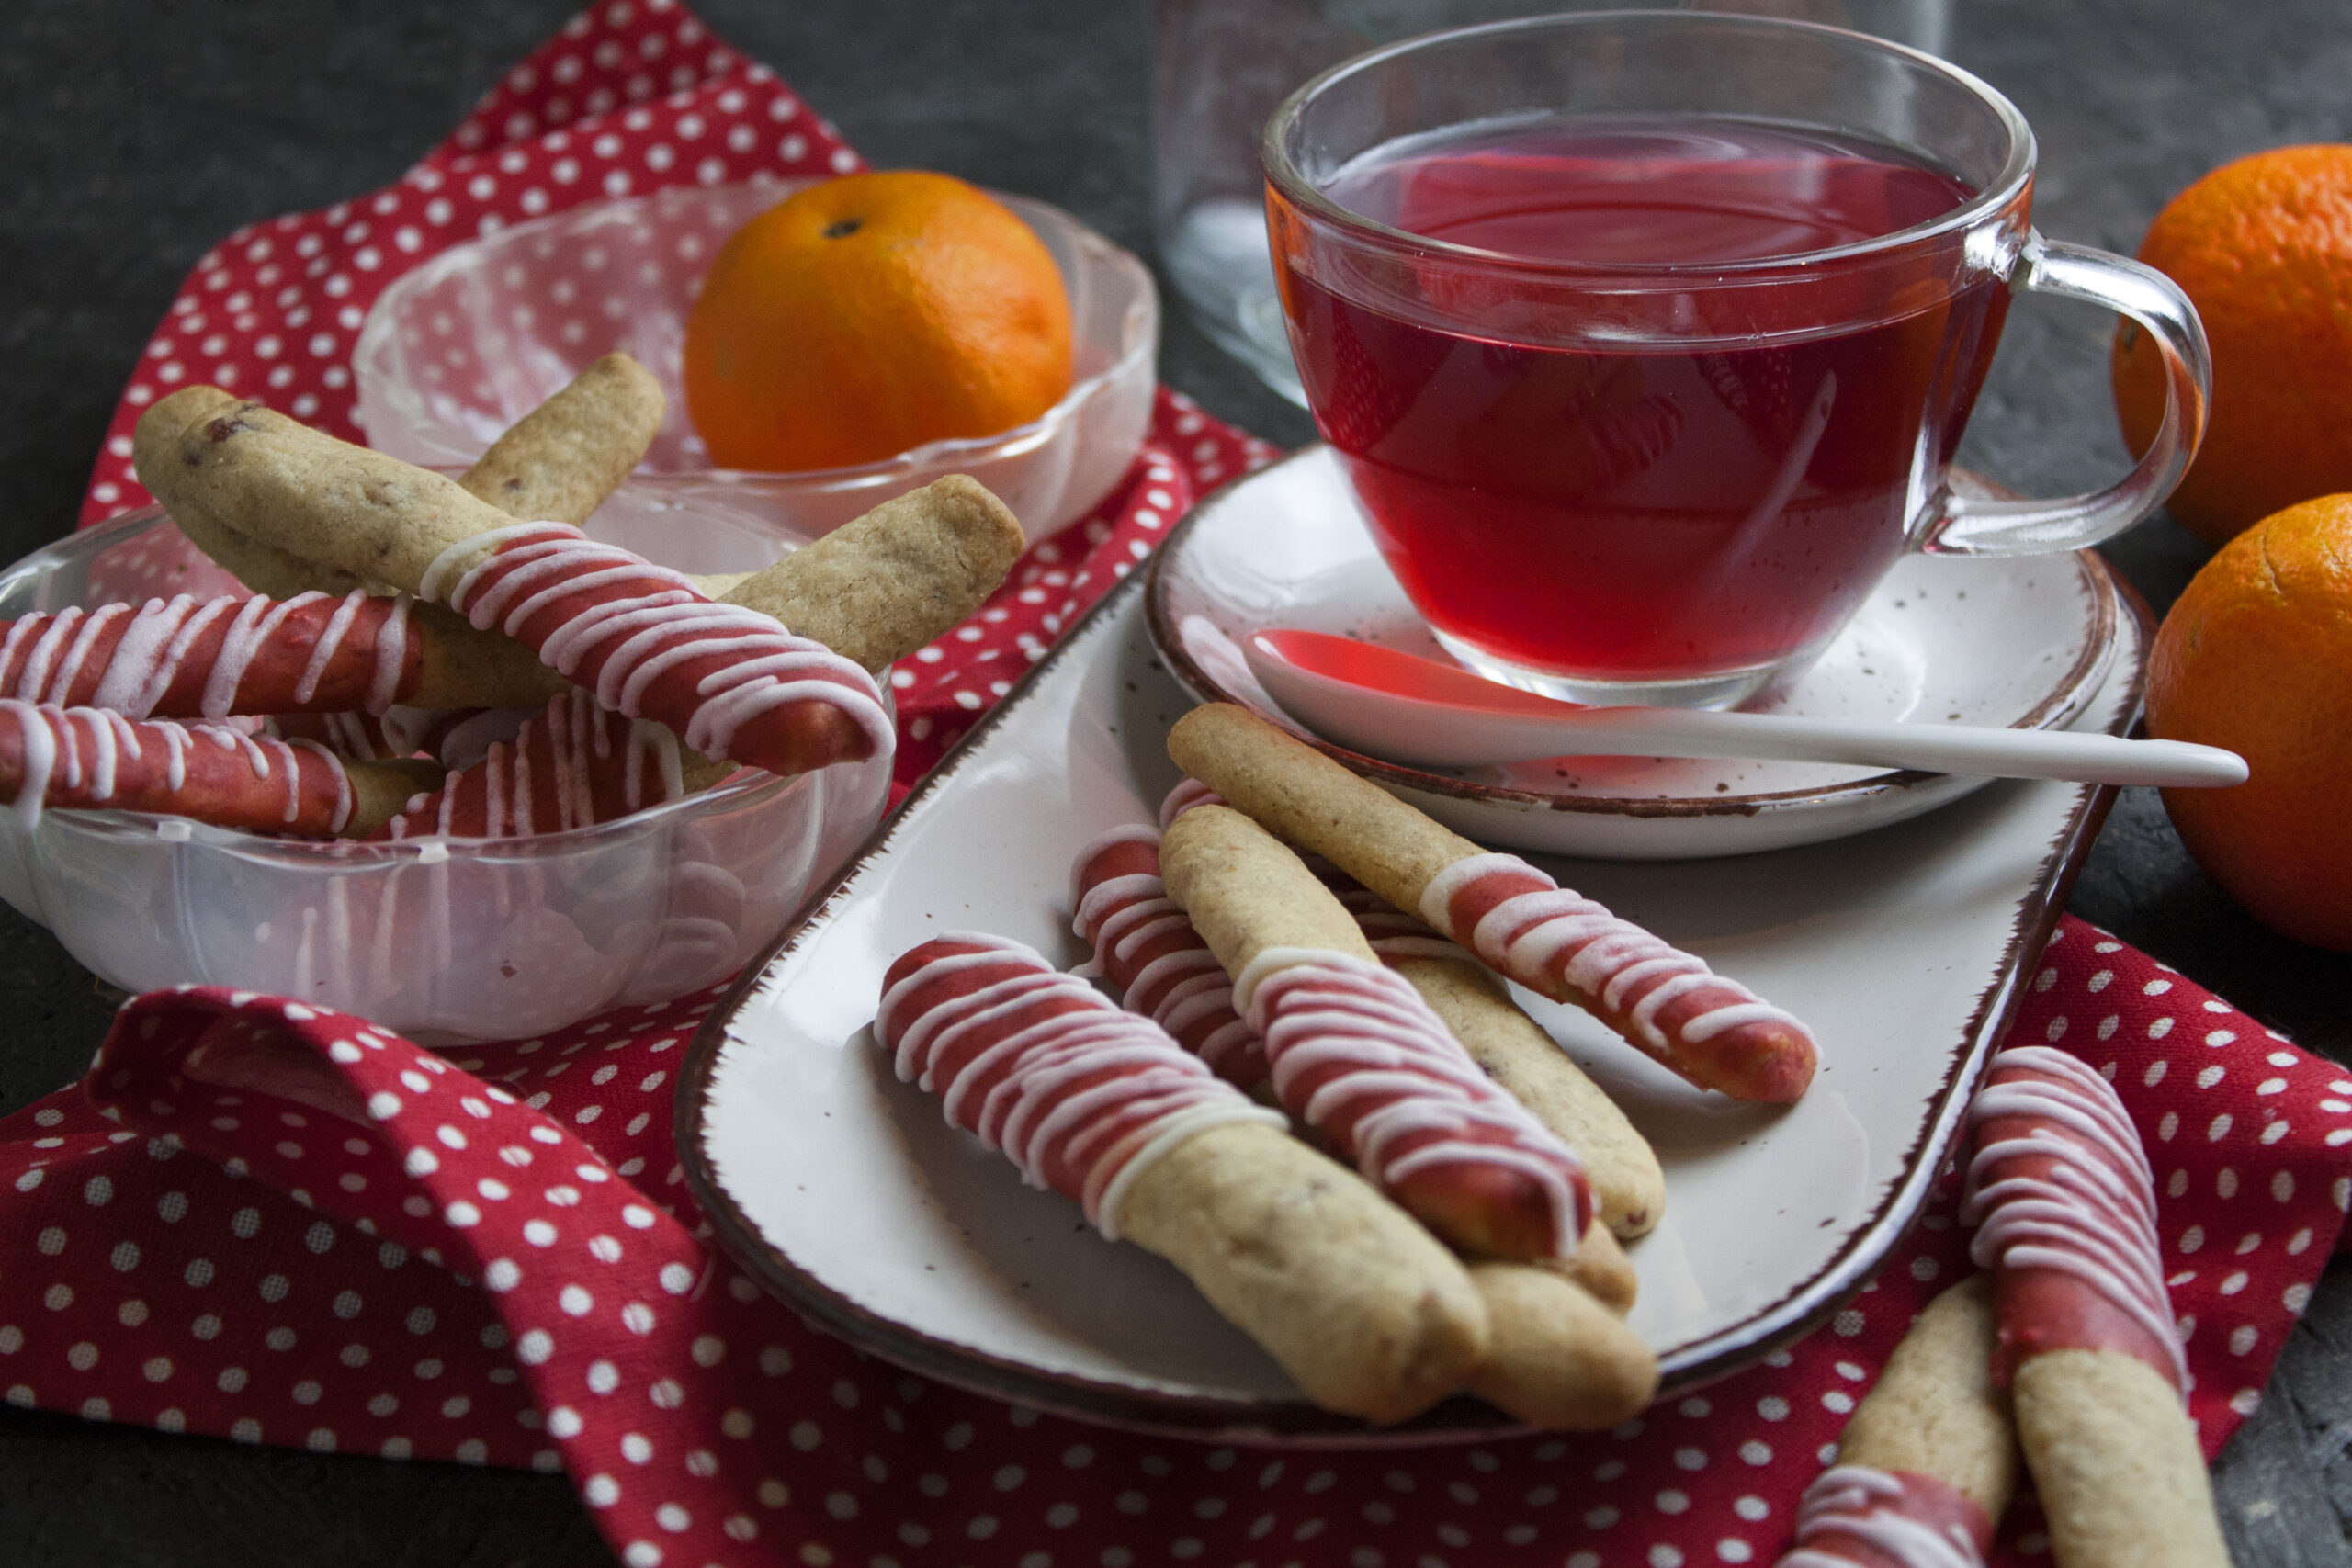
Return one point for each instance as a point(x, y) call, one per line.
point(1965, 525)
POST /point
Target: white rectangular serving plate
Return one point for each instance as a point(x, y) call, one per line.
point(845, 1194)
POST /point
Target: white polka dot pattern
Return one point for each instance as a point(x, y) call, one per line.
point(377, 1253)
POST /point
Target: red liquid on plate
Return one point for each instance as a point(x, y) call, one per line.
point(1649, 510)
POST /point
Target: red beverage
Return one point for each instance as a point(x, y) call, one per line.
point(1573, 494)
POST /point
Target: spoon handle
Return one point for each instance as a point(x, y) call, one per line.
point(1944, 748)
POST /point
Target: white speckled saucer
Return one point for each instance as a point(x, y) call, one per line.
point(2021, 642)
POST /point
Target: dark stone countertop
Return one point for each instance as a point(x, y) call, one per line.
point(138, 132)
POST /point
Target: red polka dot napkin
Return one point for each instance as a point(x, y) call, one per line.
point(280, 1226)
point(262, 1221)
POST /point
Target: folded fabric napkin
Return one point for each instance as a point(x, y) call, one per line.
point(265, 1221)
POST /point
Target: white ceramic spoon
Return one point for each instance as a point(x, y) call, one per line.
point(1413, 710)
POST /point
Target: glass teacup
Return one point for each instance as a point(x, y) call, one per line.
point(1646, 338)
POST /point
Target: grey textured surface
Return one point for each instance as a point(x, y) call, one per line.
point(137, 131)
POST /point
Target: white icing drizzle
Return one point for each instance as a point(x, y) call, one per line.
point(255, 619)
point(167, 669)
point(343, 797)
point(1416, 1099)
point(330, 636)
point(41, 761)
point(2093, 1215)
point(577, 743)
point(153, 644)
point(94, 626)
point(391, 655)
point(21, 631)
point(1049, 1104)
point(353, 738)
point(1864, 1504)
point(1118, 916)
point(1394, 935)
point(524, 567)
point(1545, 937)
point(33, 680)
point(129, 683)
point(1189, 792)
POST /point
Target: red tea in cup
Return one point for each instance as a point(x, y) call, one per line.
point(1647, 339)
point(1638, 513)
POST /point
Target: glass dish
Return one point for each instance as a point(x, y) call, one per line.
point(445, 941)
point(461, 347)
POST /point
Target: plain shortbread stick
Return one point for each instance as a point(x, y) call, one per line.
point(560, 460)
point(1928, 1463)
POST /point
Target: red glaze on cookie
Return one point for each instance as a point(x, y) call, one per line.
point(96, 758)
point(1714, 1032)
point(184, 659)
point(354, 736)
point(1080, 1095)
point(2065, 1205)
point(1357, 1055)
point(732, 681)
point(1146, 947)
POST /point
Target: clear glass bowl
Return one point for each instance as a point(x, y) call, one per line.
point(445, 941)
point(459, 349)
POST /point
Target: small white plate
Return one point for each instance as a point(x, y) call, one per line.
point(2021, 642)
point(845, 1194)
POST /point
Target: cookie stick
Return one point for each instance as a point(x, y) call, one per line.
point(1366, 1312)
point(354, 736)
point(2064, 1203)
point(926, 559)
point(1928, 1465)
point(1148, 947)
point(1162, 966)
point(570, 766)
point(952, 537)
point(731, 681)
point(1516, 1052)
point(91, 758)
point(183, 659)
point(263, 568)
point(1667, 1003)
point(1559, 1355)
point(560, 460)
point(1356, 1055)
point(872, 591)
